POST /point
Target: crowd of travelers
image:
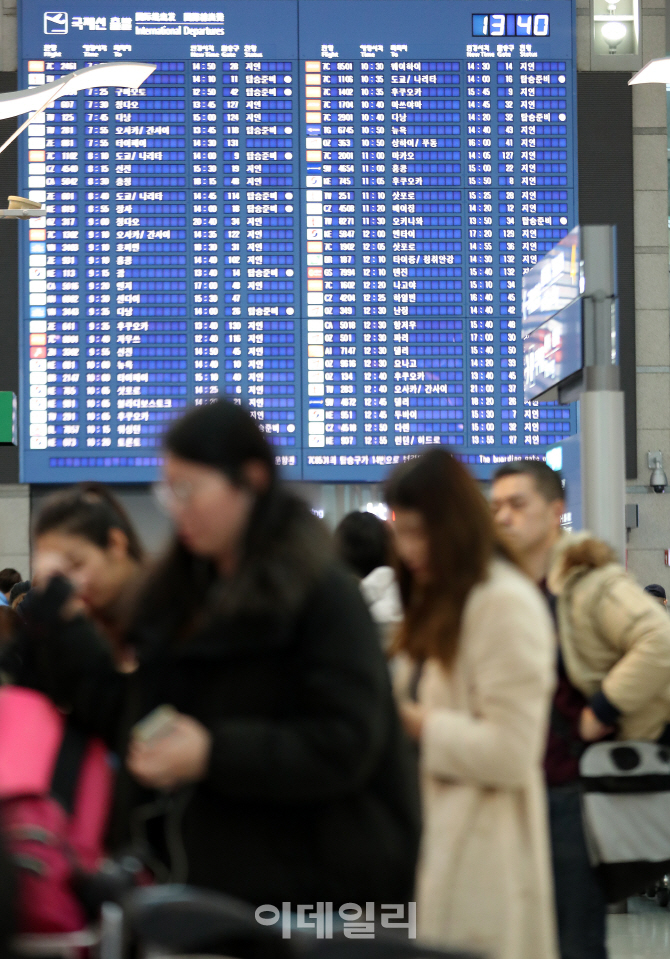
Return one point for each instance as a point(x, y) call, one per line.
point(395, 713)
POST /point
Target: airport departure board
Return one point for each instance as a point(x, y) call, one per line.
point(321, 208)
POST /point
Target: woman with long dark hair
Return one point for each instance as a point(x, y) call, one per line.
point(284, 756)
point(85, 534)
point(484, 635)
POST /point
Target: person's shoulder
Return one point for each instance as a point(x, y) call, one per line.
point(336, 596)
point(505, 577)
point(378, 582)
point(502, 613)
point(334, 579)
point(333, 592)
point(507, 588)
point(582, 558)
point(335, 609)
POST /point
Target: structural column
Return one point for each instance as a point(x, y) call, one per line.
point(652, 301)
point(652, 305)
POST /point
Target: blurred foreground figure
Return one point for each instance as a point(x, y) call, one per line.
point(7, 904)
point(270, 745)
point(18, 593)
point(85, 534)
point(484, 879)
point(658, 592)
point(613, 673)
point(8, 578)
point(363, 542)
point(8, 625)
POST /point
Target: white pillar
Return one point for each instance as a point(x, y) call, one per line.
point(15, 527)
point(603, 467)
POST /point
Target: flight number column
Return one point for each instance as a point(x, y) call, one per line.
point(54, 335)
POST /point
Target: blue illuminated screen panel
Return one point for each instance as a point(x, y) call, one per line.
point(322, 208)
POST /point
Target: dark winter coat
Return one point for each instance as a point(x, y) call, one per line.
point(7, 904)
point(311, 791)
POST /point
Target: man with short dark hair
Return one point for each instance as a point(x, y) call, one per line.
point(654, 589)
point(8, 577)
point(548, 482)
point(613, 673)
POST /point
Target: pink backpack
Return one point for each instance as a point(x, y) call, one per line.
point(55, 796)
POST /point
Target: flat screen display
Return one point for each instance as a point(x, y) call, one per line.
point(553, 283)
point(553, 351)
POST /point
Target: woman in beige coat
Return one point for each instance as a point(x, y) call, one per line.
point(487, 643)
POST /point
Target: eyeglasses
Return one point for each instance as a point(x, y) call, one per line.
point(180, 493)
point(173, 495)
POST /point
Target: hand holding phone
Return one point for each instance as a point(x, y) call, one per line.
point(168, 749)
point(158, 723)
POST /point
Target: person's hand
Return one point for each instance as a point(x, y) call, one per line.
point(590, 727)
point(46, 565)
point(180, 756)
point(413, 716)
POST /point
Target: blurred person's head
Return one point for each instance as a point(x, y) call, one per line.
point(85, 533)
point(218, 470)
point(363, 542)
point(18, 593)
point(658, 592)
point(444, 540)
point(9, 622)
point(527, 501)
point(9, 577)
point(232, 520)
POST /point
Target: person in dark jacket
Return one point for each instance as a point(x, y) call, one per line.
point(7, 903)
point(8, 578)
point(289, 774)
point(84, 533)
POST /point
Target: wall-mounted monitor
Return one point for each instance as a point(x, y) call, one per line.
point(553, 352)
point(552, 283)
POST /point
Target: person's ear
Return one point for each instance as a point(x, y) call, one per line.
point(558, 510)
point(257, 476)
point(117, 543)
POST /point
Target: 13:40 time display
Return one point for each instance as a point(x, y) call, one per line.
point(510, 25)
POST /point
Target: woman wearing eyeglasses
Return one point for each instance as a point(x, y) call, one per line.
point(285, 755)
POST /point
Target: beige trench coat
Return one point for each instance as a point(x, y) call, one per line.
point(484, 878)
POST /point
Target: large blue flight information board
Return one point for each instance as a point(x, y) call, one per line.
point(321, 208)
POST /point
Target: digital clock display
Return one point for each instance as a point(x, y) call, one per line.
point(510, 25)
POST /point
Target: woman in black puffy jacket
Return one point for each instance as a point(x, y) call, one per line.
point(289, 774)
